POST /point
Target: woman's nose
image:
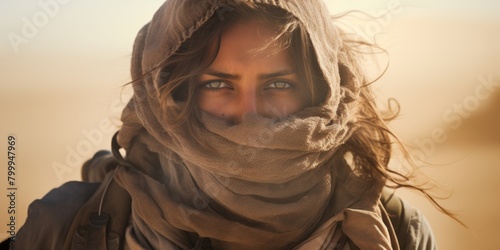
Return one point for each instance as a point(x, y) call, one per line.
point(247, 103)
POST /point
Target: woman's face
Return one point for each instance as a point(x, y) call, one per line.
point(245, 78)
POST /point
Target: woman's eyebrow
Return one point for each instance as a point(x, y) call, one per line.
point(221, 74)
point(261, 76)
point(277, 74)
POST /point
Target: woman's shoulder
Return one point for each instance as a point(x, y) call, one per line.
point(418, 230)
point(411, 227)
point(50, 217)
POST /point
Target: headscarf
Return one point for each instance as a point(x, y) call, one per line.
point(264, 183)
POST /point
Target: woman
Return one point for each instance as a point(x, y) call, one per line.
point(251, 127)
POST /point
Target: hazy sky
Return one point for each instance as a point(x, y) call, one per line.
point(89, 22)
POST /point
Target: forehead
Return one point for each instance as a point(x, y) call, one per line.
point(251, 42)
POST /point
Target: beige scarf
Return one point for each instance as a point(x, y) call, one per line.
point(264, 183)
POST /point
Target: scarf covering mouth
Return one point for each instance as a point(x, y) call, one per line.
point(264, 183)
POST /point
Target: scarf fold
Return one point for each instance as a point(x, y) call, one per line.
point(262, 184)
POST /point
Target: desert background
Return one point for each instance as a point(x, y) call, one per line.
point(61, 96)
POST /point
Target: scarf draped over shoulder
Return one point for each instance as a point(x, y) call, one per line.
point(264, 183)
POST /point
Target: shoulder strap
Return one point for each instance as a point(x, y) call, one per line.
point(102, 221)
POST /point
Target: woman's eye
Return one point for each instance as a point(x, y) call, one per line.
point(216, 85)
point(279, 85)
